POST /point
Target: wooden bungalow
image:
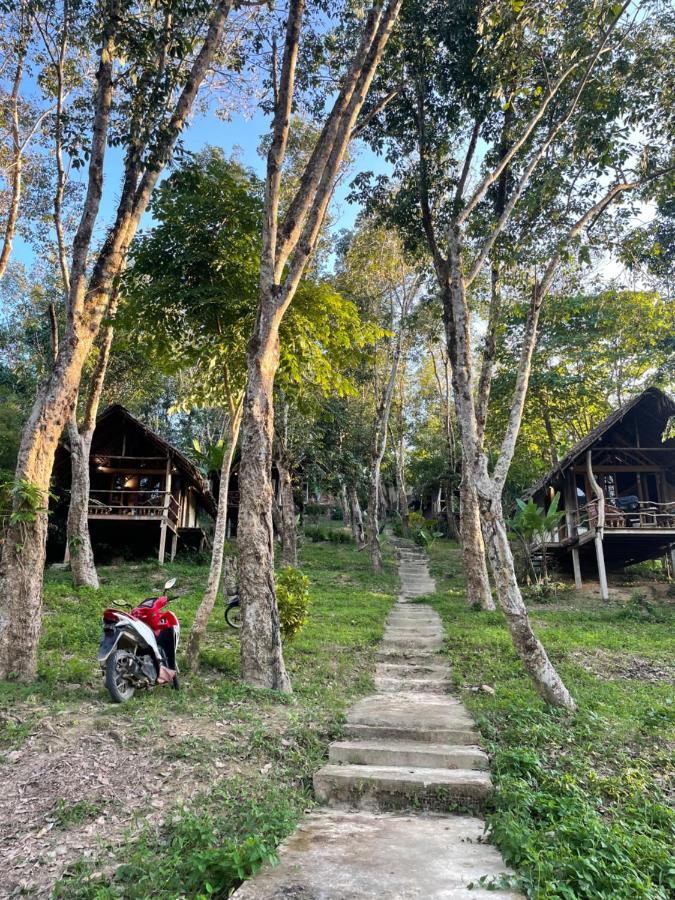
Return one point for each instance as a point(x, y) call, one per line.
point(617, 489)
point(144, 491)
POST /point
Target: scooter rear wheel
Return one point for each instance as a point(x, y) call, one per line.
point(233, 614)
point(118, 686)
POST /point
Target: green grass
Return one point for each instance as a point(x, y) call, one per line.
point(581, 807)
point(255, 776)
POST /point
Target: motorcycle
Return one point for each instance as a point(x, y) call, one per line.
point(138, 648)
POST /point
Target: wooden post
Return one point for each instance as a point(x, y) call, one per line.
point(174, 545)
point(165, 514)
point(672, 560)
point(577, 568)
point(599, 528)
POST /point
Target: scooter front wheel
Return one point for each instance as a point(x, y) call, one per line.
point(116, 676)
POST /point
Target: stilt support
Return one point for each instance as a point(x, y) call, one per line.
point(602, 573)
point(162, 543)
point(577, 568)
point(174, 545)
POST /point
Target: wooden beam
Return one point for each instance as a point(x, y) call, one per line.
point(618, 468)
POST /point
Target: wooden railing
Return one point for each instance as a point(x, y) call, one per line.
point(138, 505)
point(647, 515)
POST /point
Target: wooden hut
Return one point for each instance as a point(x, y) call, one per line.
point(617, 489)
point(145, 493)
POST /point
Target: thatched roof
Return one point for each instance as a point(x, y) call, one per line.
point(664, 404)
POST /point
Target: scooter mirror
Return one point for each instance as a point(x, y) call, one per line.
point(170, 583)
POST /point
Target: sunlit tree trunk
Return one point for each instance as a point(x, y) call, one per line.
point(473, 550)
point(344, 506)
point(535, 660)
point(529, 648)
point(82, 564)
point(262, 663)
point(219, 536)
point(286, 251)
point(356, 518)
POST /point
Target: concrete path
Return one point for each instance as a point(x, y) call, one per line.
point(409, 755)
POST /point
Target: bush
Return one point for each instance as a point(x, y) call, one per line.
point(316, 533)
point(547, 591)
point(320, 533)
point(416, 521)
point(292, 601)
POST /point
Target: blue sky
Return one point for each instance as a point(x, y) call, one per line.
point(239, 135)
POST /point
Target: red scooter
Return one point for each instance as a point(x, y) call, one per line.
point(138, 648)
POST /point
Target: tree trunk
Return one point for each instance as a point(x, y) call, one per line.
point(401, 488)
point(289, 540)
point(372, 520)
point(529, 648)
point(219, 537)
point(475, 477)
point(377, 447)
point(356, 518)
point(473, 550)
point(451, 521)
point(344, 505)
point(82, 565)
point(262, 663)
point(23, 552)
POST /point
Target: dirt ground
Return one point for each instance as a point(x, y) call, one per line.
point(79, 783)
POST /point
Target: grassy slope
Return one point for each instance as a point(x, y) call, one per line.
point(581, 805)
point(273, 744)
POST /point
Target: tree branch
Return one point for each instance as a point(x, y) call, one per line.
point(492, 176)
point(539, 293)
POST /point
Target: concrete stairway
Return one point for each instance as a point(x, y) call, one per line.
point(409, 747)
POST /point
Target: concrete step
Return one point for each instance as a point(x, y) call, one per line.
point(337, 855)
point(415, 670)
point(399, 621)
point(417, 685)
point(412, 631)
point(396, 653)
point(408, 753)
point(411, 717)
point(411, 643)
point(392, 787)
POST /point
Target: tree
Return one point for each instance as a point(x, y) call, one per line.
point(190, 299)
point(374, 270)
point(287, 247)
point(528, 81)
point(151, 64)
point(594, 351)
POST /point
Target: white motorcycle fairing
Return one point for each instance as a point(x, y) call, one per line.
point(121, 629)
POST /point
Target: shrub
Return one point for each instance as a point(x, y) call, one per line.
point(292, 601)
point(316, 533)
point(416, 521)
point(547, 591)
point(320, 533)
